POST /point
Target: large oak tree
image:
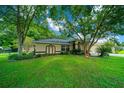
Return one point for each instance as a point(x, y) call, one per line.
point(89, 23)
point(22, 17)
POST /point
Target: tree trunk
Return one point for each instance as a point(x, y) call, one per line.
point(20, 45)
point(19, 33)
point(86, 51)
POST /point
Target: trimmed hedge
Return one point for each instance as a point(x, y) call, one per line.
point(14, 57)
point(76, 51)
point(21, 57)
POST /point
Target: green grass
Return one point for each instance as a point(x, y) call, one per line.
point(121, 52)
point(62, 71)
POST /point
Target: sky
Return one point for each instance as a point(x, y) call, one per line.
point(53, 27)
point(121, 38)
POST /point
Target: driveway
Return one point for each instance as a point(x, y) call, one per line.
point(118, 55)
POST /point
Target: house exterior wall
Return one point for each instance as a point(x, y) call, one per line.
point(76, 45)
point(81, 46)
point(71, 47)
point(94, 48)
point(30, 49)
point(42, 48)
point(58, 47)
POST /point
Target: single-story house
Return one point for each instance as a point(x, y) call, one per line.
point(56, 46)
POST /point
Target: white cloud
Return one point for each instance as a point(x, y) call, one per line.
point(51, 24)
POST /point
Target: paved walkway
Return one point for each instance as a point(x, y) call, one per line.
point(119, 55)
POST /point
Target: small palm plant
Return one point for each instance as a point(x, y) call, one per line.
point(103, 50)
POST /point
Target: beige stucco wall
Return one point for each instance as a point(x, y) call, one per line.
point(42, 48)
point(94, 48)
point(58, 47)
point(81, 46)
point(30, 49)
point(76, 45)
point(71, 47)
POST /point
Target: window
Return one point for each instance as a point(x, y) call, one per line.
point(67, 48)
point(73, 45)
point(63, 48)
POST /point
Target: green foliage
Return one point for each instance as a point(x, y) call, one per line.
point(65, 52)
point(103, 50)
point(115, 41)
point(22, 17)
point(39, 32)
point(76, 51)
point(118, 49)
point(14, 46)
point(7, 34)
point(28, 43)
point(121, 52)
point(1, 49)
point(109, 44)
point(38, 55)
point(122, 44)
point(20, 57)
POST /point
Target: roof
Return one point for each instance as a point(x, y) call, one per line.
point(53, 41)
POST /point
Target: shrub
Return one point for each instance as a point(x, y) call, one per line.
point(64, 52)
point(121, 52)
point(21, 57)
point(14, 48)
point(103, 50)
point(7, 50)
point(38, 55)
point(76, 51)
point(1, 49)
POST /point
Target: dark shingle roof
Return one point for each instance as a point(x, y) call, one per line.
point(53, 41)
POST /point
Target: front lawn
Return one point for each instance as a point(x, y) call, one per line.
point(62, 71)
